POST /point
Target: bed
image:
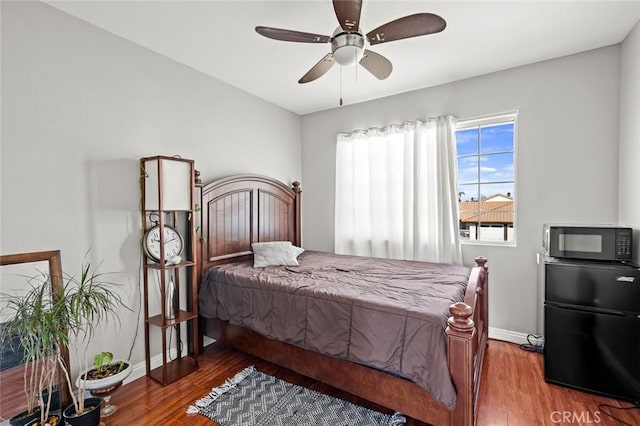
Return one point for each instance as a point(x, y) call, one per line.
point(436, 383)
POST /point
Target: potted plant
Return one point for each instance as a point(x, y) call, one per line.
point(47, 320)
point(34, 322)
point(89, 301)
point(105, 372)
point(104, 377)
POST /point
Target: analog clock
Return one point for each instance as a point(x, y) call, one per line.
point(173, 243)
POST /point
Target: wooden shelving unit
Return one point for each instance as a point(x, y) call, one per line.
point(167, 204)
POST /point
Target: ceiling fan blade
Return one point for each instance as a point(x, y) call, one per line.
point(376, 64)
point(319, 69)
point(348, 13)
point(406, 27)
point(290, 35)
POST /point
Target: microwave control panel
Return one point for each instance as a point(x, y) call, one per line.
point(624, 240)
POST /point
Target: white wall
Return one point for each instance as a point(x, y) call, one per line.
point(80, 107)
point(629, 187)
point(567, 159)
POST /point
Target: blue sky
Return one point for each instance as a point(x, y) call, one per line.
point(495, 144)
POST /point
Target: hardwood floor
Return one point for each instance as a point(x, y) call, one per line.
point(512, 393)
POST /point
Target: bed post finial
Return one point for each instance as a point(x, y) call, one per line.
point(459, 319)
point(296, 186)
point(481, 262)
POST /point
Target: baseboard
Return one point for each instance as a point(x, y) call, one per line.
point(512, 336)
point(140, 369)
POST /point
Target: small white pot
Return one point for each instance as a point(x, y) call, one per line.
point(107, 381)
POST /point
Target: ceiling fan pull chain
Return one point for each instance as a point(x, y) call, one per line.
point(355, 55)
point(340, 86)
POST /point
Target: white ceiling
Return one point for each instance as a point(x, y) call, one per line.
point(218, 39)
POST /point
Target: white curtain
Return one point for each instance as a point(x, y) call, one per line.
point(396, 192)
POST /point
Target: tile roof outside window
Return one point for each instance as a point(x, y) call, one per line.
point(487, 178)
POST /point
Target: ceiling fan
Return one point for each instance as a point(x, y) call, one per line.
point(348, 41)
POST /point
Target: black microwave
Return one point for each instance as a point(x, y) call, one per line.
point(610, 243)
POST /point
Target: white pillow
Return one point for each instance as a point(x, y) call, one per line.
point(275, 253)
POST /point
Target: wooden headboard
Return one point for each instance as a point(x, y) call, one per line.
point(244, 209)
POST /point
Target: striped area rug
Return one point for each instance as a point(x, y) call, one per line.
point(252, 398)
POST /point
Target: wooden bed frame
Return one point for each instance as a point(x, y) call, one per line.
point(239, 210)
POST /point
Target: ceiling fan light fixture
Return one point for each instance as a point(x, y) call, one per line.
point(347, 55)
point(347, 48)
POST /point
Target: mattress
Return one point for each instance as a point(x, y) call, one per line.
point(386, 314)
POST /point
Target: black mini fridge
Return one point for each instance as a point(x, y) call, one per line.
point(592, 327)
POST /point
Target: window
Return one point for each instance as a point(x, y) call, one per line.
point(486, 178)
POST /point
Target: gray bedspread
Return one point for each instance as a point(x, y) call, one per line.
point(386, 314)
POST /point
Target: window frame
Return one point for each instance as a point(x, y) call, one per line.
point(484, 121)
